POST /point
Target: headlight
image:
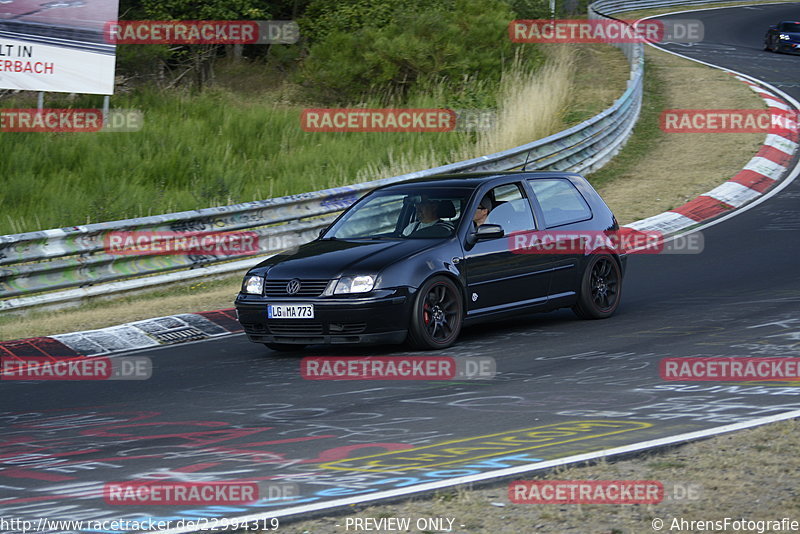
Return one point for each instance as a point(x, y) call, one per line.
point(253, 285)
point(784, 37)
point(354, 284)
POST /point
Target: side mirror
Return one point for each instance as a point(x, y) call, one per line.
point(485, 231)
point(489, 231)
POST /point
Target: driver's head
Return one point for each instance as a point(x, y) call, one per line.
point(482, 211)
point(426, 210)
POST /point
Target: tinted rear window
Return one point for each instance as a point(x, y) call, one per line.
point(561, 202)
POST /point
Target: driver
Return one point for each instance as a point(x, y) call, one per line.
point(482, 211)
point(426, 216)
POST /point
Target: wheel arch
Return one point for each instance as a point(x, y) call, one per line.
point(455, 279)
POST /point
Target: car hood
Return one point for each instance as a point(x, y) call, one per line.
point(793, 36)
point(330, 258)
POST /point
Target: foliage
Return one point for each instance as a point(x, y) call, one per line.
point(205, 9)
point(445, 41)
point(195, 151)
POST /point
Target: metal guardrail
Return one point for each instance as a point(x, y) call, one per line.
point(610, 7)
point(65, 264)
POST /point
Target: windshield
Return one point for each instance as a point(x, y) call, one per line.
point(793, 27)
point(408, 213)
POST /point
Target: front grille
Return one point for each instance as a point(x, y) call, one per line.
point(346, 328)
point(280, 328)
point(308, 288)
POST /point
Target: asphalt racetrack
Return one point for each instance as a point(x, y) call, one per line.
point(229, 410)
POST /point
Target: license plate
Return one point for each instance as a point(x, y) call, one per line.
point(290, 311)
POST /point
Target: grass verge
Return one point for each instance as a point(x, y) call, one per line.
point(659, 171)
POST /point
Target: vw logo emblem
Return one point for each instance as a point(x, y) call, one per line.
point(293, 286)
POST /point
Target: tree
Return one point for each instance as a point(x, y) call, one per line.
point(199, 58)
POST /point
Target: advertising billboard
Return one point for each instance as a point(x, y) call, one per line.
point(57, 45)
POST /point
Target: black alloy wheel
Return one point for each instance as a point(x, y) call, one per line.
point(600, 288)
point(437, 315)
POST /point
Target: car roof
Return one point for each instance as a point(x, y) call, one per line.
point(476, 179)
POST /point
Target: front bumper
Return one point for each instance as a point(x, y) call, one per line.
point(788, 47)
point(380, 317)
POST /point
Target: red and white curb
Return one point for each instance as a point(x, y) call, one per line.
point(771, 163)
point(125, 337)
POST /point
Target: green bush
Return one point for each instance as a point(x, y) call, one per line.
point(324, 17)
point(448, 41)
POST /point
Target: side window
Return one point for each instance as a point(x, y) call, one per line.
point(561, 202)
point(511, 209)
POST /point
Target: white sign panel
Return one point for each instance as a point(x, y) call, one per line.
point(57, 46)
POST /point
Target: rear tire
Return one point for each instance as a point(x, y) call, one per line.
point(601, 287)
point(284, 347)
point(437, 315)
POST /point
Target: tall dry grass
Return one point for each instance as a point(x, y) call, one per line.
point(531, 105)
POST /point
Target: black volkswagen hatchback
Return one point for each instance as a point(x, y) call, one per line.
point(783, 37)
point(416, 261)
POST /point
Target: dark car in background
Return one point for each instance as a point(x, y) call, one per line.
point(783, 37)
point(407, 262)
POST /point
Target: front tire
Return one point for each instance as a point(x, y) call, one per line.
point(601, 287)
point(437, 315)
